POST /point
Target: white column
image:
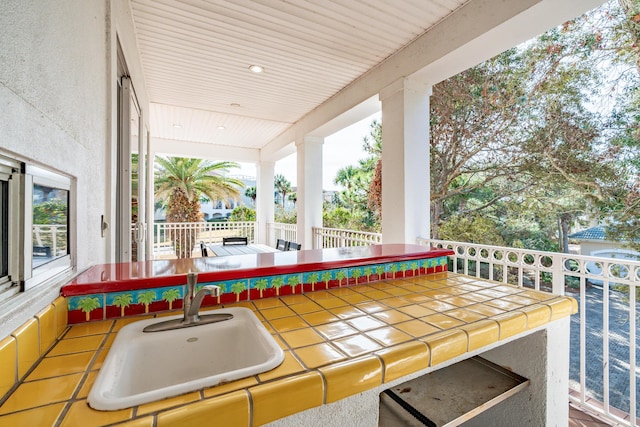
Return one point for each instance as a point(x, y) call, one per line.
point(309, 192)
point(151, 206)
point(405, 162)
point(264, 200)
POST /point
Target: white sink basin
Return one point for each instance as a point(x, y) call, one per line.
point(145, 367)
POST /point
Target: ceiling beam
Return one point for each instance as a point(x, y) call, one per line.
point(203, 150)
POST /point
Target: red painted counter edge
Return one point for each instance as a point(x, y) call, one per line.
point(77, 287)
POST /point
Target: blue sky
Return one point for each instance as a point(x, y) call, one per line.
point(341, 149)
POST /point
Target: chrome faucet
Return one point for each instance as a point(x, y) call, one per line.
point(193, 300)
point(191, 305)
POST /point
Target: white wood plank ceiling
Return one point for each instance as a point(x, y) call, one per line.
point(196, 56)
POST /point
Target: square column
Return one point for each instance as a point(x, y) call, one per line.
point(405, 162)
point(264, 201)
point(309, 192)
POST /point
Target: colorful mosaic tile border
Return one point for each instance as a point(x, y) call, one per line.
point(111, 305)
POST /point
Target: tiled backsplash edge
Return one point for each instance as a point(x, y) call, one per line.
point(101, 306)
point(21, 350)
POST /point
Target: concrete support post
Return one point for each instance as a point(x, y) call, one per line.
point(264, 201)
point(309, 192)
point(405, 162)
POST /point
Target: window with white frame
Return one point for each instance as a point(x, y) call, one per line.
point(35, 219)
point(47, 203)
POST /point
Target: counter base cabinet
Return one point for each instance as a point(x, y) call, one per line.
point(449, 396)
point(540, 355)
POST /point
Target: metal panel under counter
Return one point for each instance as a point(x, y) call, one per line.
point(450, 396)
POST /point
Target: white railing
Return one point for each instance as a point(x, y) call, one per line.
point(280, 230)
point(182, 239)
point(338, 238)
point(607, 322)
point(49, 239)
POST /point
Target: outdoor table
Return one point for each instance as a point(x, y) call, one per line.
point(221, 250)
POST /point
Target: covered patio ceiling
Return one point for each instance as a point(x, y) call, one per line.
point(324, 62)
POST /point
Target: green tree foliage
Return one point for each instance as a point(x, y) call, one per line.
point(352, 208)
point(182, 182)
point(529, 142)
point(518, 141)
point(243, 213)
point(282, 186)
point(250, 192)
point(285, 217)
point(473, 228)
point(50, 212)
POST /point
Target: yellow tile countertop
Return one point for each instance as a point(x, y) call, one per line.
point(337, 343)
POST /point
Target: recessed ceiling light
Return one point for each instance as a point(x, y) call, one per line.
point(221, 128)
point(256, 68)
point(177, 126)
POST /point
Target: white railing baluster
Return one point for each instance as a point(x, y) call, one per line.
point(632, 348)
point(550, 272)
point(188, 235)
point(336, 238)
point(605, 343)
point(282, 231)
point(582, 309)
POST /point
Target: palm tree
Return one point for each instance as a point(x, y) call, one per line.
point(393, 269)
point(341, 275)
point(88, 304)
point(237, 288)
point(170, 295)
point(261, 285)
point(183, 181)
point(326, 277)
point(347, 177)
point(293, 281)
point(282, 185)
point(293, 197)
point(223, 290)
point(313, 279)
point(380, 271)
point(123, 301)
point(277, 283)
point(368, 271)
point(146, 298)
point(357, 273)
point(403, 267)
point(350, 178)
point(414, 267)
point(250, 192)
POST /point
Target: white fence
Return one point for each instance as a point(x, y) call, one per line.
point(280, 230)
point(49, 240)
point(174, 239)
point(338, 238)
point(604, 334)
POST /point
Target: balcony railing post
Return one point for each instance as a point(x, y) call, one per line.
point(557, 283)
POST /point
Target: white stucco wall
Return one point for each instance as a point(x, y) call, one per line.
point(53, 85)
point(57, 109)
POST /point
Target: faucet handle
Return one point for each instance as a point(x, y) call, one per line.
point(192, 279)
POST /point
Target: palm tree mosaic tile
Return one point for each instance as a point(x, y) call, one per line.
point(130, 303)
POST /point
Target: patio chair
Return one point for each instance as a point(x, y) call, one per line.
point(294, 246)
point(235, 241)
point(203, 249)
point(281, 245)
